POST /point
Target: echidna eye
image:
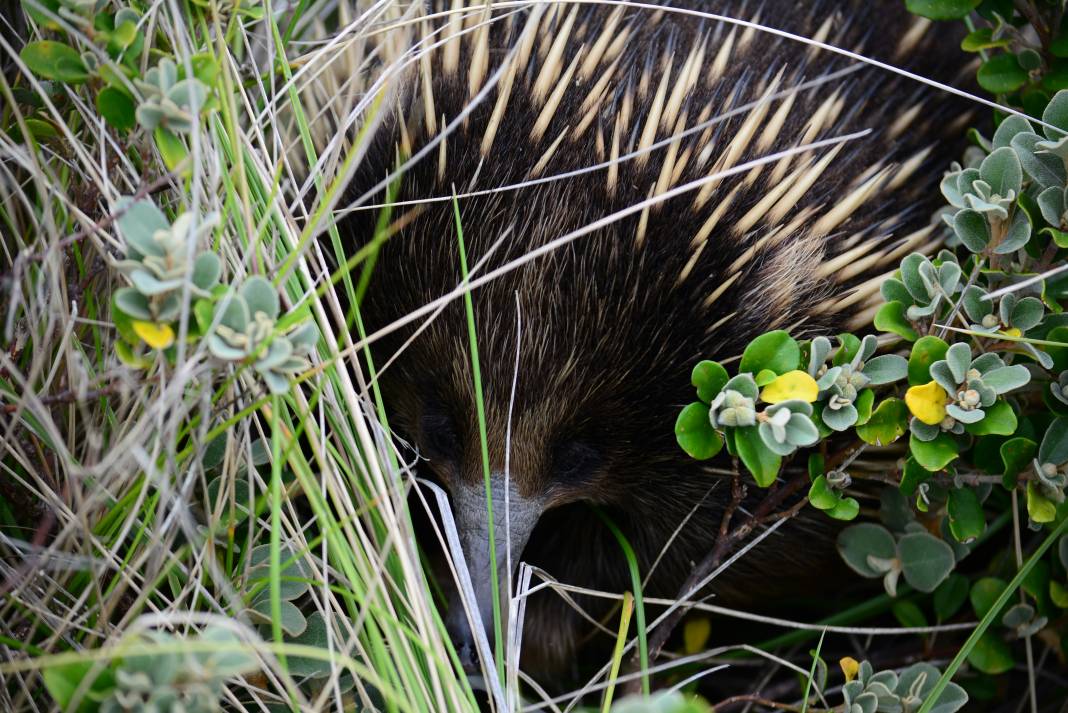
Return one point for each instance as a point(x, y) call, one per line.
point(575, 461)
point(439, 438)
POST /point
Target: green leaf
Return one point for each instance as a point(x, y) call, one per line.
point(758, 459)
point(925, 560)
point(991, 654)
point(941, 9)
point(982, 39)
point(1036, 583)
point(850, 346)
point(1059, 354)
point(775, 350)
point(891, 318)
point(971, 227)
point(816, 466)
point(846, 509)
point(894, 509)
point(127, 356)
point(204, 312)
point(117, 108)
point(984, 594)
point(1059, 46)
point(857, 542)
point(966, 519)
point(1000, 420)
point(950, 596)
point(1058, 594)
point(55, 60)
point(205, 68)
point(885, 369)
point(1003, 171)
point(1056, 114)
point(934, 455)
point(315, 634)
point(1054, 448)
point(1059, 237)
point(926, 351)
point(293, 621)
point(1039, 508)
point(260, 296)
point(863, 404)
point(39, 129)
point(708, 377)
point(65, 680)
point(124, 35)
point(765, 377)
point(888, 422)
point(42, 12)
point(911, 476)
point(171, 149)
point(821, 495)
point(908, 613)
point(1016, 454)
point(695, 434)
point(1001, 74)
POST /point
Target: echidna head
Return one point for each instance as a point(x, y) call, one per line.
point(578, 357)
point(549, 441)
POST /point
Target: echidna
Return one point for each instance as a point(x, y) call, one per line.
point(588, 121)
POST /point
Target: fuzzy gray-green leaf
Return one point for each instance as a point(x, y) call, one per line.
point(1056, 113)
point(1003, 171)
point(1007, 378)
point(886, 369)
point(261, 296)
point(206, 270)
point(958, 359)
point(138, 222)
point(1045, 169)
point(1016, 237)
point(133, 303)
point(857, 542)
point(925, 560)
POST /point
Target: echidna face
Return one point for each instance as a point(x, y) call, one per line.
point(546, 444)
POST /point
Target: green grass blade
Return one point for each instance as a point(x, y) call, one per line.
point(498, 636)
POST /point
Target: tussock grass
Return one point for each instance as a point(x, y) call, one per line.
point(116, 517)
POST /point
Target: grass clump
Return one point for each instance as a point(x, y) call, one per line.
point(198, 507)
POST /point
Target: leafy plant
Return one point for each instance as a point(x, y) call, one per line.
point(872, 692)
point(174, 674)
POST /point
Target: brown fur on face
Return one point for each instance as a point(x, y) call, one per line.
point(613, 321)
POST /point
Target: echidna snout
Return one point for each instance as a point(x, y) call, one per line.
point(509, 529)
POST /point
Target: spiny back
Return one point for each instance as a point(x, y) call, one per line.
point(658, 98)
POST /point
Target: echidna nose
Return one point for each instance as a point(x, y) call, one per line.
point(513, 520)
point(463, 640)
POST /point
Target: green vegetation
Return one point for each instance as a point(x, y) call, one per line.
point(972, 371)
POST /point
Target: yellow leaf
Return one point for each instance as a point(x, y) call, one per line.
point(695, 635)
point(1013, 332)
point(157, 336)
point(850, 666)
point(791, 385)
point(927, 403)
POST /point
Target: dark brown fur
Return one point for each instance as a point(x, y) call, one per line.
point(609, 330)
